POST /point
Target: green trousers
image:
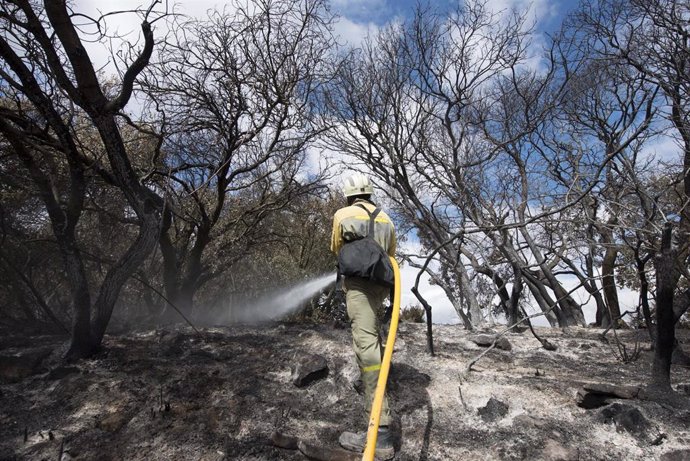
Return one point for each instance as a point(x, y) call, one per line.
point(364, 307)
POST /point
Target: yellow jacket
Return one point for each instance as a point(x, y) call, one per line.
point(352, 222)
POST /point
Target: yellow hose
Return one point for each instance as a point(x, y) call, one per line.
point(373, 430)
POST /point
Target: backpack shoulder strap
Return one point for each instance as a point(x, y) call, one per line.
point(372, 218)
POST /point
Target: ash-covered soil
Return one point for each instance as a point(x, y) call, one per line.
point(177, 395)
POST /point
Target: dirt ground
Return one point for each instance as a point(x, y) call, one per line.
point(177, 395)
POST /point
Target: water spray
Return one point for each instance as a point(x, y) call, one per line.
point(276, 304)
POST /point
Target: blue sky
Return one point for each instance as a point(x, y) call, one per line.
point(379, 12)
point(356, 17)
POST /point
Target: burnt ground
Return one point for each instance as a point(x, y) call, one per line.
point(176, 395)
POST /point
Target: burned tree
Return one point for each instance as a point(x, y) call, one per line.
point(447, 123)
point(404, 108)
point(651, 37)
point(234, 95)
point(602, 124)
point(50, 84)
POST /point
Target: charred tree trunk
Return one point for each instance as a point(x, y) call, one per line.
point(473, 310)
point(509, 302)
point(589, 283)
point(181, 278)
point(147, 206)
point(546, 304)
point(572, 312)
point(171, 264)
point(429, 330)
point(102, 112)
point(568, 312)
point(82, 343)
point(515, 294)
point(612, 311)
point(640, 264)
point(121, 272)
point(666, 280)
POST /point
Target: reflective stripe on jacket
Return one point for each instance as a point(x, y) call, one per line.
point(352, 222)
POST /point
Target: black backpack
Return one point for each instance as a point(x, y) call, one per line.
point(365, 258)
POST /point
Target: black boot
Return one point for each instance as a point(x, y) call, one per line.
point(356, 441)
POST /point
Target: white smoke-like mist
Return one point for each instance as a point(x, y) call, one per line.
point(278, 303)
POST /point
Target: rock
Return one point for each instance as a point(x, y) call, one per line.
point(494, 410)
point(626, 418)
point(114, 421)
point(309, 369)
point(683, 388)
point(14, 368)
point(596, 395)
point(677, 455)
point(528, 421)
point(61, 372)
point(488, 340)
point(313, 451)
point(614, 390)
point(590, 401)
point(281, 440)
point(556, 451)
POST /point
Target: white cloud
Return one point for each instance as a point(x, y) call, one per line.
point(126, 25)
point(351, 33)
point(442, 309)
point(664, 148)
point(537, 10)
point(358, 7)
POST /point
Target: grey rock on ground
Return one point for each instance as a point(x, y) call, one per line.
point(556, 451)
point(596, 395)
point(308, 369)
point(488, 340)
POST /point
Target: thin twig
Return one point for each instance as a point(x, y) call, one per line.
point(146, 284)
point(462, 399)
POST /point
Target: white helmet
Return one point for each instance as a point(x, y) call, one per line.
point(357, 184)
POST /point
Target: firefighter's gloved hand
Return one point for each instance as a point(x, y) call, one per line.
point(338, 297)
point(339, 309)
point(388, 314)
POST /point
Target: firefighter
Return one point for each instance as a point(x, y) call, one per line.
point(364, 300)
